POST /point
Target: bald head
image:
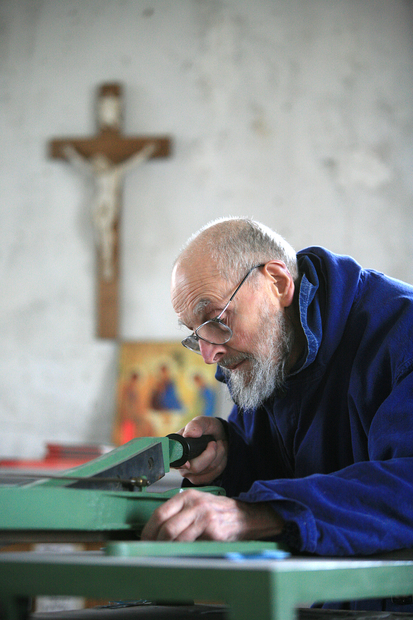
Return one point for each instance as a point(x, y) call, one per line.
point(231, 246)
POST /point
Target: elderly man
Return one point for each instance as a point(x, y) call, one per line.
point(317, 354)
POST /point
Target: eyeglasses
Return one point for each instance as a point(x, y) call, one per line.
point(214, 331)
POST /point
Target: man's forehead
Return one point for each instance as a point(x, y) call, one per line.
point(201, 307)
point(196, 288)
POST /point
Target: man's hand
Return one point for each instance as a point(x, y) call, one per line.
point(211, 463)
point(195, 515)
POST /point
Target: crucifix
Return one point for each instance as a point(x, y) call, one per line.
point(106, 158)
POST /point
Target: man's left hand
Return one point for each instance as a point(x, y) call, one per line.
point(195, 515)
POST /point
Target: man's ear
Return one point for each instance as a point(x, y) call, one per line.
point(282, 282)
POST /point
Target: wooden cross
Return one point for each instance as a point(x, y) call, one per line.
point(107, 156)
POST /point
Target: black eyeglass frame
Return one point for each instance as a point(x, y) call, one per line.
point(194, 338)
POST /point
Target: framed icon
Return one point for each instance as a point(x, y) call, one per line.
point(161, 387)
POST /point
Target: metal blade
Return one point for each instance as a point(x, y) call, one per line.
point(147, 465)
point(18, 479)
point(143, 459)
point(133, 466)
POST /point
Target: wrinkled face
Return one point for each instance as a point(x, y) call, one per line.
point(254, 359)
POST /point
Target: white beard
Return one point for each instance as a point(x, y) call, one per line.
point(267, 368)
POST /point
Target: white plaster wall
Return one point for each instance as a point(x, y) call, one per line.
point(296, 112)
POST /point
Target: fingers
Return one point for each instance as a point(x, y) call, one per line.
point(163, 514)
point(207, 466)
point(204, 425)
point(196, 515)
point(192, 515)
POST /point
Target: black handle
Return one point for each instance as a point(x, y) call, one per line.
point(191, 446)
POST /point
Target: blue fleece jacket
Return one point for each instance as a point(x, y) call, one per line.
point(333, 452)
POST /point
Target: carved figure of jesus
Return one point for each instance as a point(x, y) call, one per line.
point(108, 179)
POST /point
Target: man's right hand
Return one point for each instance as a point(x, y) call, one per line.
point(205, 468)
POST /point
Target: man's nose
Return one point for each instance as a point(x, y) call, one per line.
point(211, 353)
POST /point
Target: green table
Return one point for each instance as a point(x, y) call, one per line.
point(264, 589)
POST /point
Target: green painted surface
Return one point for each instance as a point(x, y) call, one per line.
point(175, 451)
point(44, 507)
point(268, 590)
point(202, 548)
